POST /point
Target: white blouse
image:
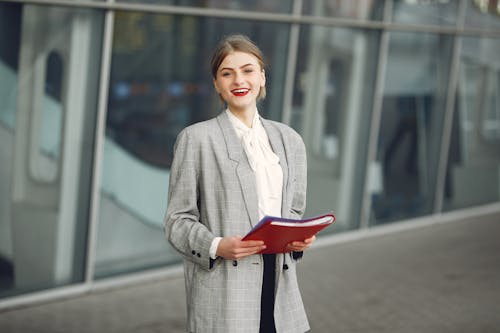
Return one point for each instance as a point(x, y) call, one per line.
point(265, 164)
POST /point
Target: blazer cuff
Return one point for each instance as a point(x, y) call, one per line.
point(201, 254)
point(213, 247)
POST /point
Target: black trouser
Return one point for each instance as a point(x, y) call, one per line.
point(267, 298)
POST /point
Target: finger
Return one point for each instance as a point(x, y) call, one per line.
point(292, 247)
point(250, 249)
point(298, 246)
point(248, 252)
point(310, 240)
point(252, 243)
point(255, 249)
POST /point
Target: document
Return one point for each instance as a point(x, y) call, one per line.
point(277, 232)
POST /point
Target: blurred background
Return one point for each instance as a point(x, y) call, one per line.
point(398, 103)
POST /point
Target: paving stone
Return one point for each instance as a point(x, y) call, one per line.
point(440, 278)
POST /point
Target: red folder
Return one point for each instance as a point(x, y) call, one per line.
point(277, 232)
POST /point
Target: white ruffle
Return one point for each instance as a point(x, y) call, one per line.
point(264, 162)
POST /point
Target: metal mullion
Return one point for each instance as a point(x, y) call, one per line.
point(99, 145)
point(293, 49)
point(267, 17)
point(376, 116)
point(448, 117)
point(81, 288)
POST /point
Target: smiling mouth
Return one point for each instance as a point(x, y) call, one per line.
point(240, 92)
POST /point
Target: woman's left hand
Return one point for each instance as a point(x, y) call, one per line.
point(299, 246)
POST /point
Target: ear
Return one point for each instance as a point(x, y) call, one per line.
point(263, 78)
point(215, 86)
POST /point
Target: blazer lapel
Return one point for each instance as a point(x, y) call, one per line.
point(278, 145)
point(245, 173)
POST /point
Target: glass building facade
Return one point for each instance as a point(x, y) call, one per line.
point(398, 103)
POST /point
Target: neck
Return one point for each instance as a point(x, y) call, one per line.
point(246, 116)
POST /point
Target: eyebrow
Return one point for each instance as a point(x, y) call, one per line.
point(232, 69)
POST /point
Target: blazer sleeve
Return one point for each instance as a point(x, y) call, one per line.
point(182, 225)
point(300, 178)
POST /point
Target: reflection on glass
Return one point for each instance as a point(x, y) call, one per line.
point(483, 15)
point(426, 12)
point(335, 76)
point(48, 119)
point(10, 31)
point(410, 132)
point(160, 83)
point(351, 9)
point(10, 16)
point(49, 55)
point(473, 173)
point(265, 6)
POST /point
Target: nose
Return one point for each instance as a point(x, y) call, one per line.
point(238, 78)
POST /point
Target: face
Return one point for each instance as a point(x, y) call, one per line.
point(239, 79)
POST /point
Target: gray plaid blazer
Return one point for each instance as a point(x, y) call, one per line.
point(213, 193)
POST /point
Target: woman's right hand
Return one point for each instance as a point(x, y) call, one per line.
point(234, 248)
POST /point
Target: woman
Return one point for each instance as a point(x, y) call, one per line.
point(227, 173)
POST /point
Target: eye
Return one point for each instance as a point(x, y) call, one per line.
point(248, 70)
point(225, 73)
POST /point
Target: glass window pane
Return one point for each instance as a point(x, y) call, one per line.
point(48, 120)
point(49, 65)
point(10, 35)
point(473, 173)
point(483, 15)
point(266, 6)
point(413, 106)
point(160, 83)
point(351, 9)
point(426, 12)
point(334, 82)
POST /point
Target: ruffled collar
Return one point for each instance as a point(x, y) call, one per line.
point(255, 141)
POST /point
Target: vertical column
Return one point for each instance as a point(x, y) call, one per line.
point(375, 121)
point(99, 144)
point(450, 108)
point(293, 46)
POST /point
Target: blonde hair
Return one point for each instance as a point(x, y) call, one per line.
point(236, 43)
